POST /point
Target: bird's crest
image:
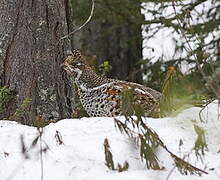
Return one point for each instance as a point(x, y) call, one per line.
point(75, 57)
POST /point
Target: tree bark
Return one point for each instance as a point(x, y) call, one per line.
point(30, 56)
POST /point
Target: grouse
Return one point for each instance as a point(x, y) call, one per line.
point(101, 96)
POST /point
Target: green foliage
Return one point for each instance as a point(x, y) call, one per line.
point(183, 18)
point(200, 144)
point(105, 68)
point(147, 139)
point(5, 97)
point(185, 168)
point(205, 23)
point(181, 91)
point(78, 110)
point(39, 122)
point(167, 103)
point(23, 108)
point(194, 27)
point(127, 99)
point(147, 153)
point(130, 107)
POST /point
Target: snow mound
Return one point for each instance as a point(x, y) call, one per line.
point(81, 156)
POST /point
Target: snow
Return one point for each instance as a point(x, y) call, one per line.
point(81, 157)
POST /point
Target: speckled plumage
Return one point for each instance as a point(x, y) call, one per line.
point(101, 96)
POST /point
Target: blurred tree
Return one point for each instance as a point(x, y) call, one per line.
point(113, 35)
point(30, 56)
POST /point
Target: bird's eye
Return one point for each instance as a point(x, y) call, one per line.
point(78, 65)
point(73, 64)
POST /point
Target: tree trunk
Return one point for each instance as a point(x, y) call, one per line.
point(30, 56)
point(118, 41)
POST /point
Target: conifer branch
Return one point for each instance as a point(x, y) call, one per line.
point(190, 50)
point(166, 104)
point(149, 140)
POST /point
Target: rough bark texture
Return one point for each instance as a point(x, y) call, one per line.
point(30, 57)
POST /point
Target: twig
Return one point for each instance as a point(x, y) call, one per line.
point(195, 58)
point(171, 171)
point(83, 25)
point(25, 151)
point(218, 110)
point(200, 112)
point(41, 153)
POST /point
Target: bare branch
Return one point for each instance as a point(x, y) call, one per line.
point(84, 24)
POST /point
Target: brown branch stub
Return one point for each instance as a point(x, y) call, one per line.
point(59, 138)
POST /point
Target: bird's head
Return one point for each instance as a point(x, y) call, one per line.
point(74, 64)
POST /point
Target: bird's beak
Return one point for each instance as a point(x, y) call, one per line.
point(65, 67)
point(62, 65)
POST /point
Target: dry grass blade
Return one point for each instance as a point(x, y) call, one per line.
point(58, 138)
point(108, 155)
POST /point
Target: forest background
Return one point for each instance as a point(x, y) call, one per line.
point(119, 42)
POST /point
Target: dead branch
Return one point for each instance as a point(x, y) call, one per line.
point(83, 25)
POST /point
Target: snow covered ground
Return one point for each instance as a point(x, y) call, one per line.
point(81, 157)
